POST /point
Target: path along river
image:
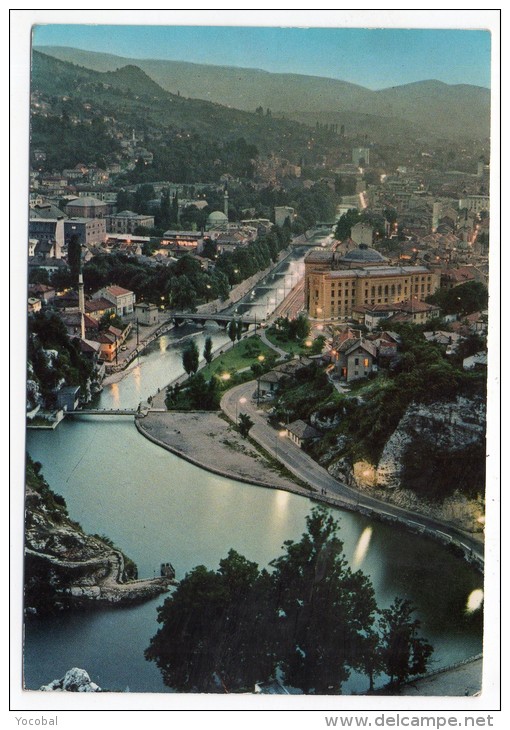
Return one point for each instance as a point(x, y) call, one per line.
point(158, 508)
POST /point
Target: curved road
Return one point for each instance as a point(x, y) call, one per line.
point(304, 467)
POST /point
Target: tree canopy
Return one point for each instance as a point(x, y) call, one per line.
point(308, 619)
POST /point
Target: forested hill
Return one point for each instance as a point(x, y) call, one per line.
point(432, 107)
point(130, 97)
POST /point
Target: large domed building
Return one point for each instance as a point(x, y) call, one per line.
point(363, 255)
point(217, 220)
point(336, 283)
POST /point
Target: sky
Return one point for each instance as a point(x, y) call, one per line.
point(374, 58)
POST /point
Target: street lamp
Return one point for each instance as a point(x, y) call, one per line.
point(280, 434)
point(241, 401)
point(261, 359)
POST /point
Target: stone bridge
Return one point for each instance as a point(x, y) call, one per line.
point(221, 319)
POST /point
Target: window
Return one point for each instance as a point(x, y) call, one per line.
point(356, 360)
point(366, 363)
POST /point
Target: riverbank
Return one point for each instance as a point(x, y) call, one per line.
point(67, 568)
point(136, 345)
point(209, 441)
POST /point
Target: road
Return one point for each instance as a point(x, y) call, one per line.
point(337, 493)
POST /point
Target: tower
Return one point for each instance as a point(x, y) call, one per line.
point(225, 203)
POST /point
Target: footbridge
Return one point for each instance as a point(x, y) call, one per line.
point(105, 412)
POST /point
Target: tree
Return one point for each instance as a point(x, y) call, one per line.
point(190, 358)
point(311, 620)
point(214, 634)
point(244, 424)
point(345, 223)
point(325, 609)
point(239, 331)
point(232, 330)
point(208, 354)
point(463, 299)
point(404, 654)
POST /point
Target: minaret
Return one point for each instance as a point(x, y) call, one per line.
point(225, 203)
point(81, 304)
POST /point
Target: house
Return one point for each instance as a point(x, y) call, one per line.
point(356, 358)
point(122, 299)
point(68, 397)
point(42, 291)
point(146, 313)
point(475, 362)
point(110, 341)
point(301, 433)
point(50, 265)
point(455, 277)
point(268, 383)
point(72, 322)
point(414, 311)
point(97, 308)
point(387, 344)
point(449, 340)
point(34, 305)
point(92, 351)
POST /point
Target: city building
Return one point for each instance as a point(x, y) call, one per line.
point(49, 232)
point(122, 299)
point(90, 231)
point(475, 203)
point(333, 290)
point(127, 221)
point(146, 313)
point(87, 207)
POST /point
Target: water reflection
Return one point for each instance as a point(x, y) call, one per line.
point(115, 395)
point(362, 547)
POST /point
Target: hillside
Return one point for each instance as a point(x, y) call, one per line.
point(131, 98)
point(431, 107)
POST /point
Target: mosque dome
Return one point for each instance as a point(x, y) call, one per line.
point(217, 217)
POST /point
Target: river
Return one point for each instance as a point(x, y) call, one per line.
point(158, 508)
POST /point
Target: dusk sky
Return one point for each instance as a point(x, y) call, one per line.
point(374, 58)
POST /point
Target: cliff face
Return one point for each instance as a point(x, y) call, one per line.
point(449, 427)
point(65, 567)
point(433, 462)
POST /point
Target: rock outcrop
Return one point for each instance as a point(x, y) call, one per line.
point(66, 568)
point(448, 428)
point(75, 680)
point(449, 425)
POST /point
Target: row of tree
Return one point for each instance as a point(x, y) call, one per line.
point(309, 619)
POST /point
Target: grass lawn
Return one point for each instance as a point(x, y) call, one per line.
point(288, 345)
point(241, 356)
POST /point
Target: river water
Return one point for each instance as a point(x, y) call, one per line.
point(158, 508)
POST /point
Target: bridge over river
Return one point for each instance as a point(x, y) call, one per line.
point(221, 319)
point(106, 412)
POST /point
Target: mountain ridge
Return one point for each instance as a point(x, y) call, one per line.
point(440, 109)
